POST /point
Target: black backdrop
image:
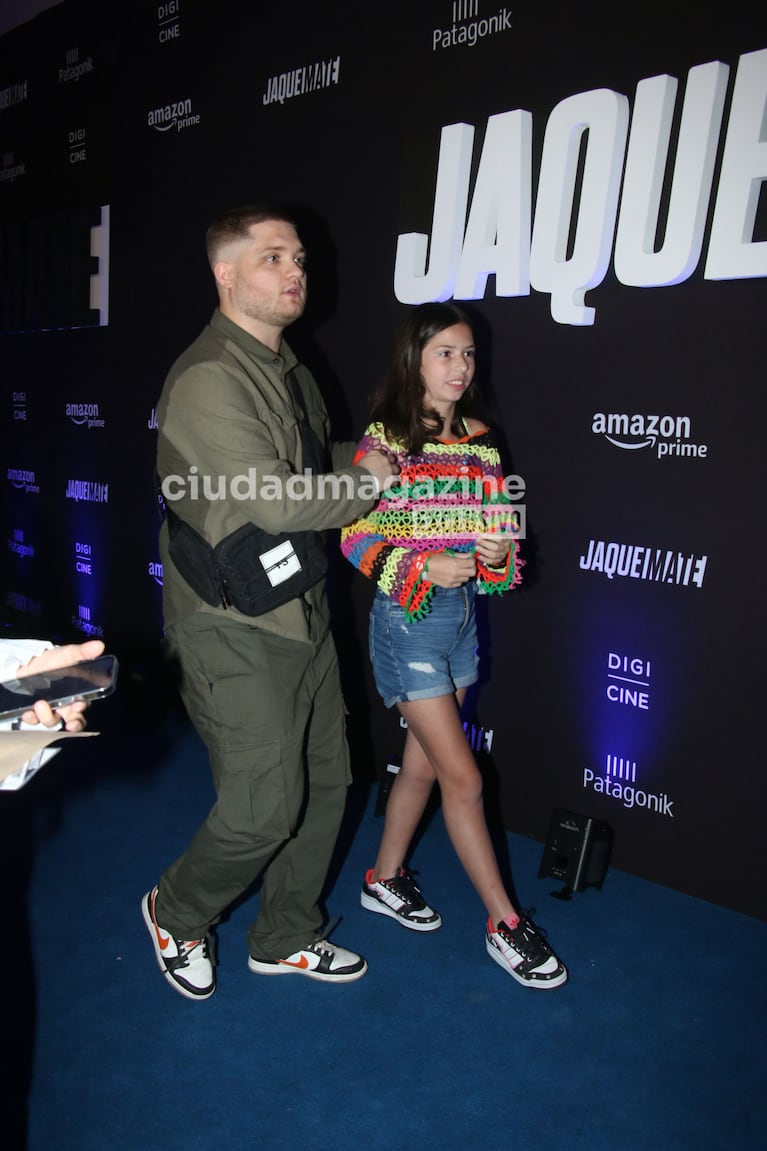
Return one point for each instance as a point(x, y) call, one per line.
point(624, 680)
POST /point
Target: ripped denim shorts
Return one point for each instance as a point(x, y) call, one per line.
point(430, 657)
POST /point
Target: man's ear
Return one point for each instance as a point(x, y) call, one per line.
point(223, 271)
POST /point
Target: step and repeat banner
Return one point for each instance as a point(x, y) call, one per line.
point(589, 183)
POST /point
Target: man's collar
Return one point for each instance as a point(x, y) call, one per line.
point(250, 344)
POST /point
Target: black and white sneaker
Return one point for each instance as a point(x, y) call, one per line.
point(185, 963)
point(321, 960)
point(401, 899)
point(525, 955)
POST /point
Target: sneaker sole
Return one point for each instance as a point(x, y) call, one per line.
point(370, 903)
point(537, 985)
point(265, 967)
point(161, 962)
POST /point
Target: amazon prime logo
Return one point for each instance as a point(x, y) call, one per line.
point(665, 436)
point(85, 415)
point(173, 117)
point(23, 480)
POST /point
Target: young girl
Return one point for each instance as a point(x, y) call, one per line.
point(439, 532)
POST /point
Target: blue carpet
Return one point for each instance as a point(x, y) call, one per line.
point(657, 1041)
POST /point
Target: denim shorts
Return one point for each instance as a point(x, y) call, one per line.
point(432, 656)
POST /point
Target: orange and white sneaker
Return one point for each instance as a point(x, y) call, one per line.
point(320, 960)
point(185, 963)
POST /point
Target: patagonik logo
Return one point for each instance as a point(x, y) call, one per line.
point(618, 782)
point(466, 28)
point(74, 68)
point(563, 247)
point(83, 622)
point(18, 545)
point(11, 168)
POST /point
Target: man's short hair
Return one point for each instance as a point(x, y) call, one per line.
point(236, 223)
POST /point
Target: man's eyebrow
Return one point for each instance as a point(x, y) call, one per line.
point(282, 248)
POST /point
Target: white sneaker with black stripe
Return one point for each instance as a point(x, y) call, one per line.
point(400, 898)
point(525, 955)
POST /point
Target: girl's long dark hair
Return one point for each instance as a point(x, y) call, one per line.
point(399, 403)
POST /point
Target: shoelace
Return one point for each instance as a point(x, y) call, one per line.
point(187, 946)
point(526, 940)
point(405, 887)
point(322, 947)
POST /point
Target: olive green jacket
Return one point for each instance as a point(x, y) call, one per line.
point(229, 453)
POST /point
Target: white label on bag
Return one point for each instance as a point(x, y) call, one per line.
point(280, 563)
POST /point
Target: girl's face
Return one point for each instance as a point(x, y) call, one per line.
point(447, 366)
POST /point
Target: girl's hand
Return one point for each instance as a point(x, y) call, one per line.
point(493, 549)
point(448, 569)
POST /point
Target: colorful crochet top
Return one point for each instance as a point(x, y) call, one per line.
point(443, 498)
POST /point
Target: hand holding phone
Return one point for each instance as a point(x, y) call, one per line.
point(62, 689)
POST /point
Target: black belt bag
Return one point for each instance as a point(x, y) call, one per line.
point(250, 569)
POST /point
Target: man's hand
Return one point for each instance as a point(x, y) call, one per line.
point(382, 466)
point(51, 660)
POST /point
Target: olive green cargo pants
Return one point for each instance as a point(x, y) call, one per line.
point(271, 713)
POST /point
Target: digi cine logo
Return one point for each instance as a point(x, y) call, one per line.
point(83, 558)
point(169, 25)
point(628, 680)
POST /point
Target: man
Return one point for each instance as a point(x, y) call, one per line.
point(239, 420)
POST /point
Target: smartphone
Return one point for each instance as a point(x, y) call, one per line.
point(91, 679)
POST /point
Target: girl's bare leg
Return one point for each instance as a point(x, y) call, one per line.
point(404, 808)
point(436, 748)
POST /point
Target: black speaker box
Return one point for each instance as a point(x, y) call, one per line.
point(577, 850)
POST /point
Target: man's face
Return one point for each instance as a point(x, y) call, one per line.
point(266, 278)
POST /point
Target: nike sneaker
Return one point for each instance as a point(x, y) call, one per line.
point(321, 960)
point(185, 963)
point(401, 899)
point(525, 955)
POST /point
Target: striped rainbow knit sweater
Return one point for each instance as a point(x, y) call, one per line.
point(443, 499)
